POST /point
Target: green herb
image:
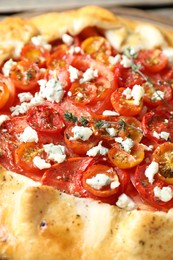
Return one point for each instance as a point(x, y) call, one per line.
point(99, 124)
point(70, 117)
point(84, 121)
point(130, 54)
point(29, 75)
point(122, 124)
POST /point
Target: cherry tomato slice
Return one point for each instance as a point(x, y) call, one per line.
point(59, 57)
point(156, 122)
point(79, 146)
point(98, 47)
point(163, 155)
point(82, 94)
point(124, 159)
point(153, 60)
point(146, 189)
point(123, 106)
point(34, 54)
point(105, 190)
point(45, 118)
point(25, 75)
point(4, 93)
point(61, 176)
point(25, 154)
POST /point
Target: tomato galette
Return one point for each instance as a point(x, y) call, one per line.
point(86, 137)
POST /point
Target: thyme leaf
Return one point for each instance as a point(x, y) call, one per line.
point(70, 117)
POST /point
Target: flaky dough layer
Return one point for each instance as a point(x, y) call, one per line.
point(38, 222)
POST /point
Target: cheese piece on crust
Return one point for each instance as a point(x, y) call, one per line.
point(38, 222)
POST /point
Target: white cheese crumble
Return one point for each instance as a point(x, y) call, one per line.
point(151, 170)
point(110, 113)
point(74, 73)
point(163, 134)
point(51, 90)
point(40, 41)
point(99, 149)
point(29, 135)
point(126, 62)
point(136, 93)
point(67, 39)
point(41, 163)
point(165, 194)
point(75, 49)
point(125, 202)
point(111, 131)
point(81, 132)
point(89, 75)
point(114, 59)
point(55, 153)
point(19, 109)
point(148, 148)
point(3, 118)
point(127, 144)
point(7, 67)
point(99, 181)
point(114, 184)
point(168, 52)
point(157, 95)
point(25, 96)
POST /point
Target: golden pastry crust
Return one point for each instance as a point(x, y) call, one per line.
point(38, 222)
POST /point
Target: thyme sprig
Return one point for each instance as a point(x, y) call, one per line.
point(98, 124)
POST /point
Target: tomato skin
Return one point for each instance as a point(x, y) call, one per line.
point(34, 54)
point(25, 75)
point(58, 58)
point(126, 160)
point(45, 118)
point(78, 146)
point(153, 60)
point(123, 106)
point(146, 189)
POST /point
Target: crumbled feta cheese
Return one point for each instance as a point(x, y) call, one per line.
point(114, 184)
point(163, 134)
point(114, 60)
point(99, 149)
point(41, 163)
point(75, 49)
point(51, 90)
point(81, 132)
point(157, 95)
point(67, 39)
point(29, 135)
point(125, 202)
point(111, 131)
point(25, 96)
point(151, 170)
point(148, 148)
point(40, 41)
point(99, 181)
point(137, 93)
point(126, 62)
point(3, 118)
point(69, 93)
point(88, 75)
point(74, 73)
point(127, 144)
point(110, 113)
point(168, 52)
point(55, 153)
point(127, 93)
point(36, 100)
point(7, 67)
point(165, 194)
point(19, 109)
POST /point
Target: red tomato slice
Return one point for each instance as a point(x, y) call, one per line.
point(156, 122)
point(45, 118)
point(4, 93)
point(125, 107)
point(106, 190)
point(146, 189)
point(153, 60)
point(82, 94)
point(34, 54)
point(25, 75)
point(59, 57)
point(61, 176)
point(126, 160)
point(79, 146)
